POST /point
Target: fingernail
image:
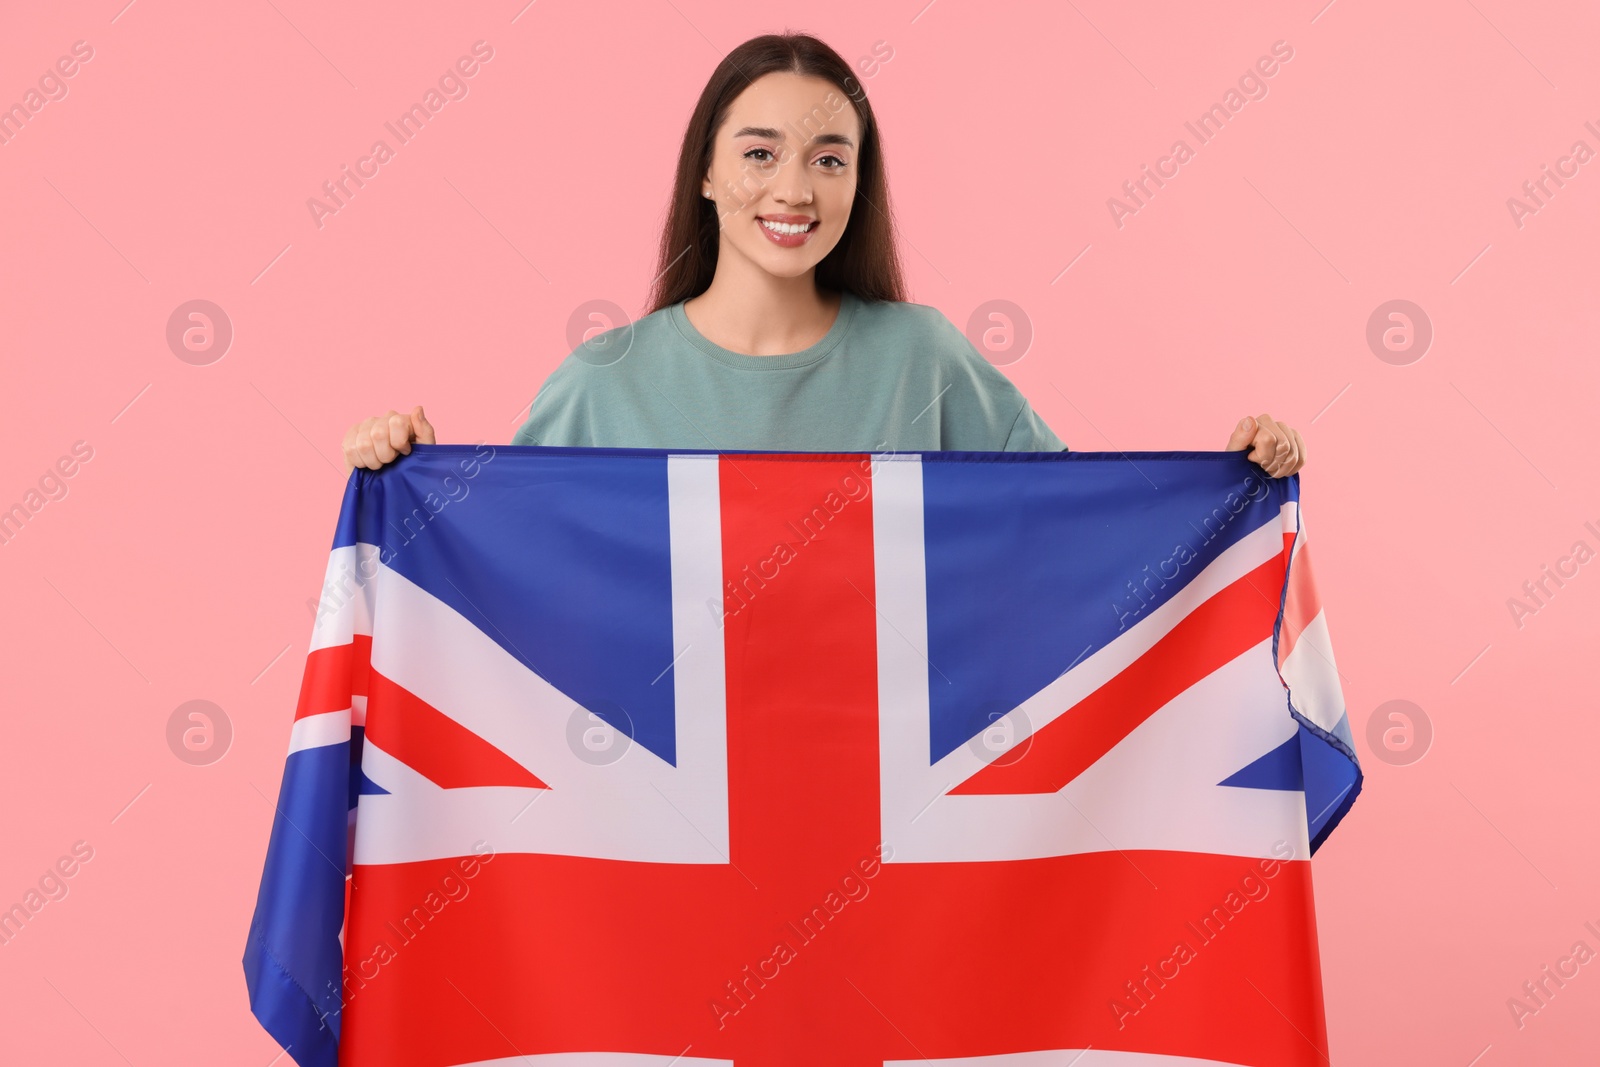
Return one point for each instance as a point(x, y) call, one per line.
point(1244, 423)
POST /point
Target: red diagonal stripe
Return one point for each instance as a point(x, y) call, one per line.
point(332, 674)
point(1301, 603)
point(1218, 631)
point(435, 745)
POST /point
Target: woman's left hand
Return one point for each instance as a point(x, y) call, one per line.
point(1274, 445)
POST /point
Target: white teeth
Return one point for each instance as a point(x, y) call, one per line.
point(786, 227)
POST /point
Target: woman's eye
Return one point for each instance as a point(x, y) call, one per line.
point(752, 153)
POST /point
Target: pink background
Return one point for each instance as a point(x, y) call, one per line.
point(179, 563)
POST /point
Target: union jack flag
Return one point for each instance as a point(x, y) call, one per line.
point(624, 757)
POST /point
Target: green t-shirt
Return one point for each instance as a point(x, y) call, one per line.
point(887, 376)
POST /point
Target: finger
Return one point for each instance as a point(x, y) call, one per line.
point(348, 445)
point(366, 455)
point(1285, 459)
point(1299, 448)
point(1270, 443)
point(1242, 433)
point(1283, 455)
point(399, 427)
point(381, 447)
point(422, 427)
point(1296, 455)
point(1265, 446)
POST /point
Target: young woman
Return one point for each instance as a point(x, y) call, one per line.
point(778, 318)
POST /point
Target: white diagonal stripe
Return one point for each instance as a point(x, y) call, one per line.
point(637, 807)
point(1156, 789)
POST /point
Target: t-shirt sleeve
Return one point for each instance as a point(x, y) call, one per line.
point(555, 417)
point(997, 395)
point(1030, 433)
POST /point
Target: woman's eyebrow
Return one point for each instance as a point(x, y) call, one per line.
point(777, 135)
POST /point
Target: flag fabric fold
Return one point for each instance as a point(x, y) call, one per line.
point(610, 757)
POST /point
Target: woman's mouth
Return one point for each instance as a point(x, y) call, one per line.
point(787, 234)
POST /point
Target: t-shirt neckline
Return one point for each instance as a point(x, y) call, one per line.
point(788, 360)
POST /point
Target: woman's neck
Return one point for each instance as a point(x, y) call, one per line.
point(762, 319)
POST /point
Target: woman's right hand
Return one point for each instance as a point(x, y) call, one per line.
point(373, 442)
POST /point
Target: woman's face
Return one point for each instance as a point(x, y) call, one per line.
point(786, 154)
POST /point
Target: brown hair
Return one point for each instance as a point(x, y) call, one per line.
point(865, 262)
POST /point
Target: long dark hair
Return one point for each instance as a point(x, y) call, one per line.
point(866, 260)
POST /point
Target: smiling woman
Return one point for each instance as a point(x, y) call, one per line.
point(778, 319)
